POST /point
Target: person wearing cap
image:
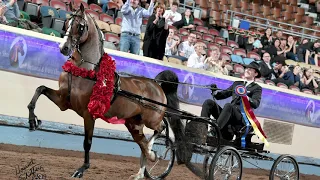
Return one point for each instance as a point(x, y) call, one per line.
point(230, 114)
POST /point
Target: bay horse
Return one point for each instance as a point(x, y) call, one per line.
point(85, 40)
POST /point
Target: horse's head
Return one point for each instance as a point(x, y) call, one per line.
point(19, 46)
point(77, 31)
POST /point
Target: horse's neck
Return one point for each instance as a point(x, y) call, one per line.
point(90, 50)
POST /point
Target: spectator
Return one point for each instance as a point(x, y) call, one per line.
point(279, 34)
point(186, 48)
point(172, 15)
point(156, 34)
point(12, 11)
point(282, 50)
point(274, 49)
point(289, 77)
point(196, 59)
point(105, 4)
point(267, 71)
point(291, 46)
point(186, 21)
point(3, 9)
point(267, 39)
point(214, 64)
point(248, 45)
point(309, 81)
point(131, 23)
point(171, 44)
point(307, 52)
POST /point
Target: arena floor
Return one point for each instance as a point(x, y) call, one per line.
point(60, 164)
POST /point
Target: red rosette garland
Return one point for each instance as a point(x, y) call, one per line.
point(102, 91)
point(76, 71)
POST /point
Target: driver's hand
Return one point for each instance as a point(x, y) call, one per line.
point(213, 88)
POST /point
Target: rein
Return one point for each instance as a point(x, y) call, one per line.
point(80, 31)
point(170, 82)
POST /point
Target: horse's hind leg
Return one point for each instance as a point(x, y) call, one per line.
point(135, 127)
point(53, 95)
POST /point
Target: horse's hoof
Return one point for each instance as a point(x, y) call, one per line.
point(77, 174)
point(136, 177)
point(39, 123)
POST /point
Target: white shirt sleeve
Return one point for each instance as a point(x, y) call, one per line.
point(193, 62)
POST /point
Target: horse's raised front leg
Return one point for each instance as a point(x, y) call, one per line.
point(88, 130)
point(53, 95)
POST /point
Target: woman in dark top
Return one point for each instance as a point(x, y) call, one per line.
point(309, 81)
point(274, 48)
point(186, 21)
point(156, 34)
point(291, 45)
point(267, 39)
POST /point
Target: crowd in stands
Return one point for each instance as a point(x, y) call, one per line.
point(161, 30)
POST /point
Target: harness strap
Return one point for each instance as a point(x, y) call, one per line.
point(69, 87)
point(116, 87)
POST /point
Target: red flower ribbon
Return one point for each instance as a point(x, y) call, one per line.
point(102, 91)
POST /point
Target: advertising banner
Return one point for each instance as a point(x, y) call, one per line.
point(42, 58)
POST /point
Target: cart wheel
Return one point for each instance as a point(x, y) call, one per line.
point(285, 167)
point(226, 164)
point(206, 165)
point(165, 154)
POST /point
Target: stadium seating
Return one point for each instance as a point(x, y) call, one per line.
point(252, 15)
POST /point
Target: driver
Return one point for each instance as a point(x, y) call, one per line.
point(230, 114)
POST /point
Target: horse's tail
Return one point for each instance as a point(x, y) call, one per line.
point(170, 89)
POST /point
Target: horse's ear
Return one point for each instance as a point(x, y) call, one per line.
point(71, 7)
point(82, 8)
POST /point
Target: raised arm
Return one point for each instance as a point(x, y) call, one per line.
point(147, 13)
point(126, 7)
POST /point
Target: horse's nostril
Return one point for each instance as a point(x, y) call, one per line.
point(65, 49)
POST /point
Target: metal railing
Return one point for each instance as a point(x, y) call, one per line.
point(233, 14)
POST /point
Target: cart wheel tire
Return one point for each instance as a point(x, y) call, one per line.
point(220, 152)
point(169, 148)
point(206, 167)
point(278, 160)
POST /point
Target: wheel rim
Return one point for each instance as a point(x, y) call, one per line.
point(163, 162)
point(227, 166)
point(286, 169)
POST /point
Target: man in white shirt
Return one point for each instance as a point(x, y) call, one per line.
point(186, 48)
point(196, 60)
point(172, 14)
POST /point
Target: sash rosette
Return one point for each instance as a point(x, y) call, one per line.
point(249, 117)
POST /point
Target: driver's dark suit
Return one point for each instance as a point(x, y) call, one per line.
point(230, 114)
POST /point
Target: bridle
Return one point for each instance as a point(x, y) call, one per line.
point(75, 45)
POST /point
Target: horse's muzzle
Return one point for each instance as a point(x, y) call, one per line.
point(65, 50)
